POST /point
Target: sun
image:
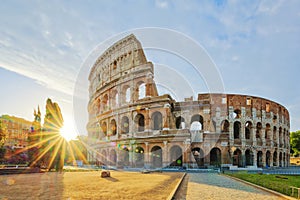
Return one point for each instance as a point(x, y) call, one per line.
point(68, 131)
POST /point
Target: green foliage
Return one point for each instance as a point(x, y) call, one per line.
point(277, 183)
point(295, 142)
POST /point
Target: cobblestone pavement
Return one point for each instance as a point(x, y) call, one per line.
point(214, 186)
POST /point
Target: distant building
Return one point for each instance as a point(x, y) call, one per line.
point(15, 132)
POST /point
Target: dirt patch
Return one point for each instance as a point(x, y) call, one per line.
point(88, 185)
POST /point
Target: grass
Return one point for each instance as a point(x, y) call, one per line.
point(279, 183)
point(88, 185)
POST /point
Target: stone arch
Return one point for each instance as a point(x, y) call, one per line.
point(180, 122)
point(280, 159)
point(275, 158)
point(196, 122)
point(248, 130)
point(237, 114)
point(225, 126)
point(141, 90)
point(215, 157)
point(125, 125)
point(268, 158)
point(105, 102)
point(259, 159)
point(104, 128)
point(237, 158)
point(139, 156)
point(267, 131)
point(113, 127)
point(176, 156)
point(237, 130)
point(140, 122)
point(156, 156)
point(280, 136)
point(126, 94)
point(249, 157)
point(157, 121)
point(125, 156)
point(198, 155)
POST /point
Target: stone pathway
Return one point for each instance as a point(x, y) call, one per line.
point(214, 186)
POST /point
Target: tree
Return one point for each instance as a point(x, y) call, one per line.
point(54, 145)
point(295, 142)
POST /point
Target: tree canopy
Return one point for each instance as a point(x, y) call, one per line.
point(295, 142)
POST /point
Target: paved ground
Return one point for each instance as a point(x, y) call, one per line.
point(214, 186)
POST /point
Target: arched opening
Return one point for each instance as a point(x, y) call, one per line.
point(176, 156)
point(104, 128)
point(249, 157)
point(98, 105)
point(113, 127)
point(248, 128)
point(268, 159)
point(127, 95)
point(258, 134)
point(215, 157)
point(180, 123)
point(225, 126)
point(280, 159)
point(156, 157)
point(140, 122)
point(105, 102)
point(198, 156)
point(139, 157)
point(259, 159)
point(237, 114)
point(267, 131)
point(236, 130)
point(280, 136)
point(125, 156)
point(196, 123)
point(124, 125)
point(156, 121)
point(237, 158)
point(113, 157)
point(275, 158)
point(284, 160)
point(141, 90)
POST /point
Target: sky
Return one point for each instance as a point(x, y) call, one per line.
point(43, 45)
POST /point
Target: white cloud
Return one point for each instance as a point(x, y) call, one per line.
point(161, 4)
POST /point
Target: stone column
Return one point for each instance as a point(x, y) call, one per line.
point(147, 120)
point(166, 125)
point(166, 160)
point(254, 158)
point(264, 158)
point(254, 136)
point(263, 135)
point(147, 156)
point(242, 136)
point(271, 159)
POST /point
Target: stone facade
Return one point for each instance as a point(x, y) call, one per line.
point(130, 124)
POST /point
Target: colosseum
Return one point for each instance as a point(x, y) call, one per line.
point(131, 125)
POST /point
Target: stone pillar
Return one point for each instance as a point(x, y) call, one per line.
point(263, 135)
point(264, 158)
point(242, 136)
point(147, 161)
point(147, 120)
point(166, 160)
point(244, 158)
point(231, 137)
point(254, 157)
point(166, 125)
point(271, 159)
point(254, 136)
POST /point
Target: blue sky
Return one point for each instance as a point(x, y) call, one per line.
point(254, 44)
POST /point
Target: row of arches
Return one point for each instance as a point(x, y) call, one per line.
point(259, 134)
point(266, 159)
point(139, 121)
point(196, 122)
point(113, 99)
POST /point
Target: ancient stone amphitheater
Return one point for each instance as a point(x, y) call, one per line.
point(131, 125)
